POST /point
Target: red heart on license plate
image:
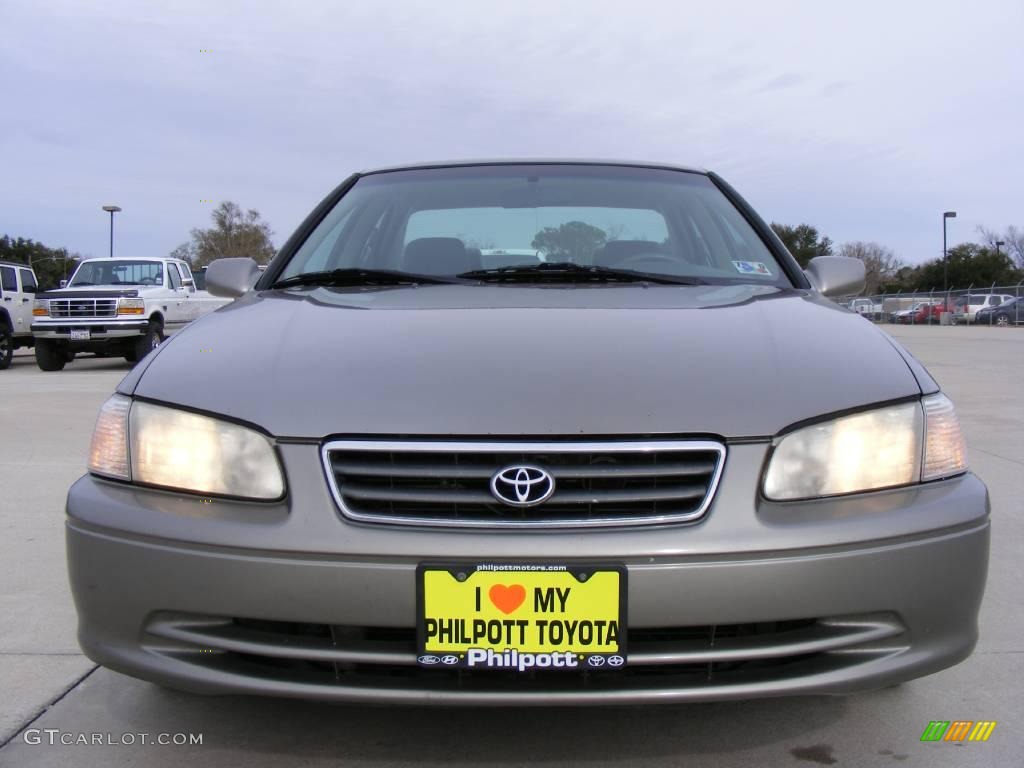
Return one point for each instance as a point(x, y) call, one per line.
point(507, 599)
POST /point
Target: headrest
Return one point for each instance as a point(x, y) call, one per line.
point(437, 256)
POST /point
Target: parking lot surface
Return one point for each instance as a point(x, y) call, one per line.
point(52, 693)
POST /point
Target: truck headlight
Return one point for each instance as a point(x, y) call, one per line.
point(886, 447)
point(166, 447)
point(131, 306)
point(41, 308)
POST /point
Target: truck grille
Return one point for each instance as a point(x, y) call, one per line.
point(83, 307)
point(596, 484)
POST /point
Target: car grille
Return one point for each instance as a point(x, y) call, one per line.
point(351, 660)
point(83, 307)
point(596, 484)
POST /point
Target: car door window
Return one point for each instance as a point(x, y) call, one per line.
point(28, 281)
point(8, 280)
point(173, 277)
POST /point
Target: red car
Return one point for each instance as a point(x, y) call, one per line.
point(928, 313)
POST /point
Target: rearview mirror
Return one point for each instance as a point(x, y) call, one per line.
point(232, 278)
point(836, 275)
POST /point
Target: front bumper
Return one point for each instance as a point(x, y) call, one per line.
point(99, 330)
point(291, 599)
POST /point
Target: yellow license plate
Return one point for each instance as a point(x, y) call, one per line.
point(521, 617)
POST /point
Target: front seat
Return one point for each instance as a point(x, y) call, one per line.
point(437, 256)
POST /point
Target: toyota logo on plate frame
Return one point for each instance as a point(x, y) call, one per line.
point(522, 485)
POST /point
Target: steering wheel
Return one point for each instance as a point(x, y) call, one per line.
point(648, 258)
point(147, 281)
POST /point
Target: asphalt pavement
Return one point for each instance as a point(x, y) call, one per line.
point(50, 693)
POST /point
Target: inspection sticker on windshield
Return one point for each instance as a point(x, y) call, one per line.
point(521, 617)
point(751, 268)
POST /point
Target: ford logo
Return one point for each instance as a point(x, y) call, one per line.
point(428, 659)
point(522, 486)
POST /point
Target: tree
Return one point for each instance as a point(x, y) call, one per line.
point(574, 241)
point(234, 233)
point(880, 264)
point(185, 252)
point(803, 241)
point(969, 264)
point(1012, 242)
point(51, 265)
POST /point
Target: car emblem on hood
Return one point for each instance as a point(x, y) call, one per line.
point(522, 486)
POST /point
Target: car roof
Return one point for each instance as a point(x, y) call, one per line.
point(14, 264)
point(131, 258)
point(533, 161)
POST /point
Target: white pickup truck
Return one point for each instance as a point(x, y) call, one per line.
point(116, 307)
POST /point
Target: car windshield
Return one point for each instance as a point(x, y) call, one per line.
point(446, 222)
point(118, 272)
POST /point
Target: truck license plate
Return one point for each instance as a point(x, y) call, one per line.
point(79, 334)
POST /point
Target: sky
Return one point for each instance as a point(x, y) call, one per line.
point(866, 120)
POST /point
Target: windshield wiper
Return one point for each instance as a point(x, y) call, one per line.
point(566, 271)
point(357, 276)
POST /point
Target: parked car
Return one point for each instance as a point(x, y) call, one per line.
point(866, 308)
point(17, 290)
point(967, 306)
point(116, 307)
point(929, 313)
point(1008, 313)
point(637, 472)
point(913, 314)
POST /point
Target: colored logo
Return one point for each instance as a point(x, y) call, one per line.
point(958, 730)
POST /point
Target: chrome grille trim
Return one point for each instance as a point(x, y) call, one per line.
point(71, 308)
point(679, 475)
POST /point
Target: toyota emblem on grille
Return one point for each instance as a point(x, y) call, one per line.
point(522, 486)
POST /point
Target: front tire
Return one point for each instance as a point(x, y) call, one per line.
point(49, 356)
point(149, 341)
point(6, 347)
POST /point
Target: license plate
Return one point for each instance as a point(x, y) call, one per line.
point(521, 617)
point(79, 334)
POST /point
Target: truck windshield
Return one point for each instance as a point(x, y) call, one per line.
point(447, 222)
point(118, 272)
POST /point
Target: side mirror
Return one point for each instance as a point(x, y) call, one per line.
point(232, 278)
point(28, 289)
point(189, 285)
point(836, 275)
point(63, 283)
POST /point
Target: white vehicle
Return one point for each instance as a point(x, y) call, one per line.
point(967, 306)
point(116, 307)
point(17, 290)
point(866, 308)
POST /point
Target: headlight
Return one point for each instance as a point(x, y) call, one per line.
point(131, 306)
point(41, 308)
point(891, 446)
point(162, 446)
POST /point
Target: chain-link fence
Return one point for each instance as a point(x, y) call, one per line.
point(985, 304)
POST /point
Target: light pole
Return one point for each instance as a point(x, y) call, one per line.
point(998, 243)
point(945, 258)
point(112, 209)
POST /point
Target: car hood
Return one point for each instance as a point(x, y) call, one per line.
point(89, 292)
point(460, 360)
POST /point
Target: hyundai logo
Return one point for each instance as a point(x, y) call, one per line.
point(522, 486)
